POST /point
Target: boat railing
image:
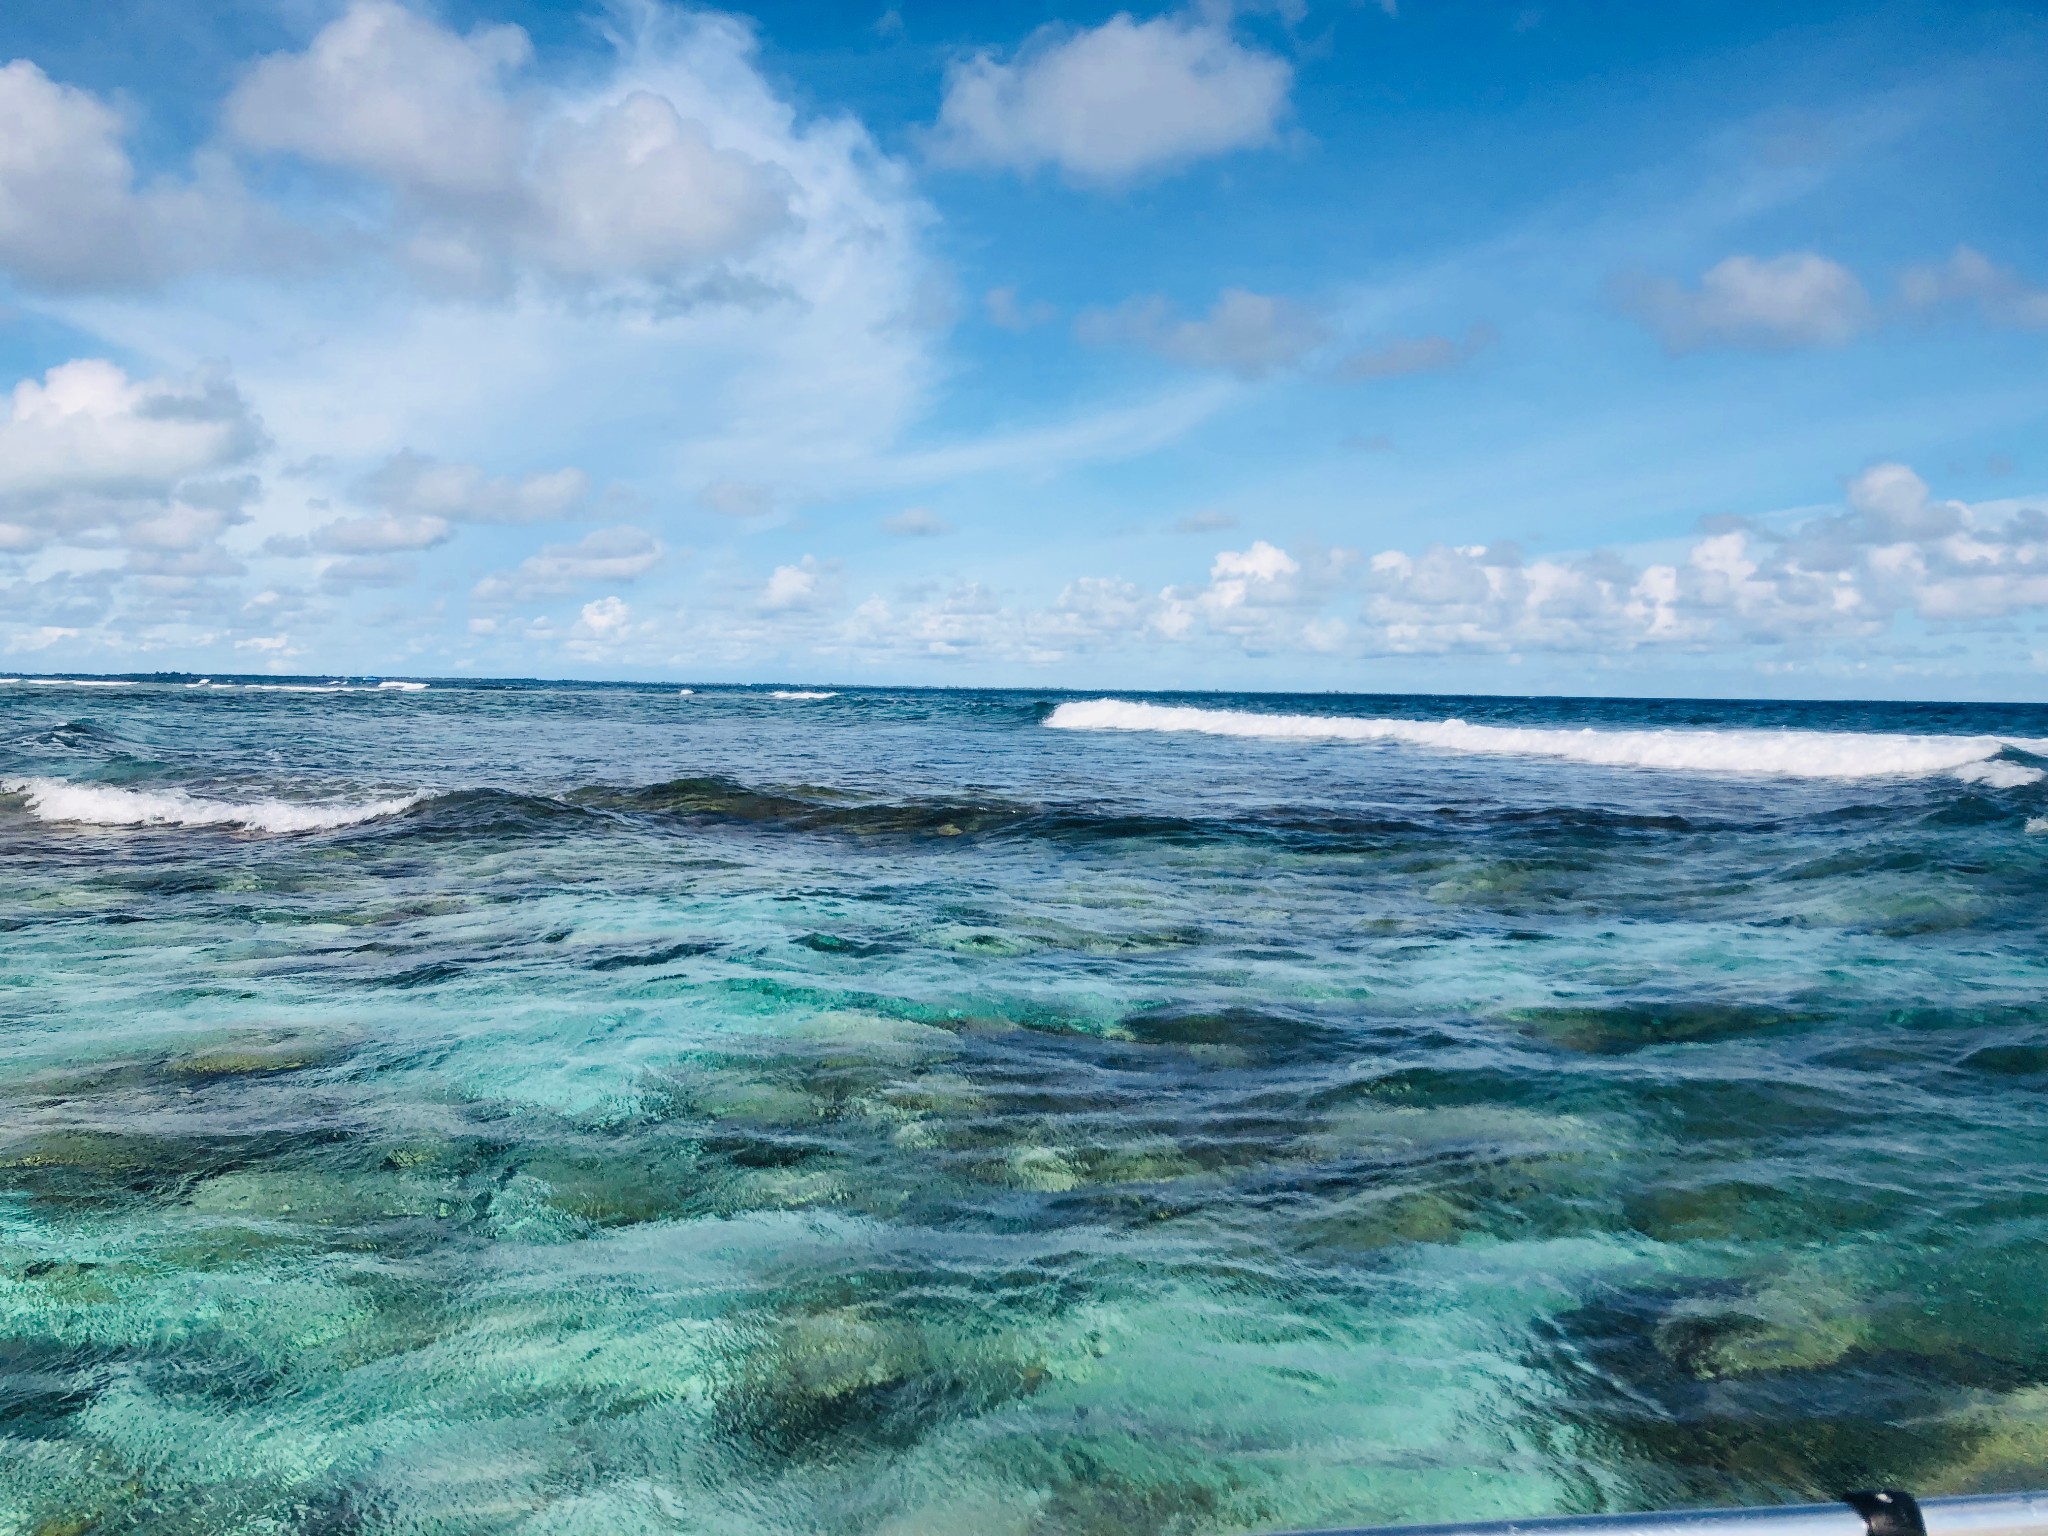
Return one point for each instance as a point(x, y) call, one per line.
point(1878, 1512)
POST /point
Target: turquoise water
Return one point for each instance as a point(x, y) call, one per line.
point(567, 1109)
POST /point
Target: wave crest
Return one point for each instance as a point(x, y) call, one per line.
point(102, 805)
point(1763, 753)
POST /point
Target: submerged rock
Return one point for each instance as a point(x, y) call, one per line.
point(259, 1053)
point(2010, 1449)
point(324, 1198)
point(1781, 1328)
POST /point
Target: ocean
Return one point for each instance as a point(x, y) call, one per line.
point(562, 1108)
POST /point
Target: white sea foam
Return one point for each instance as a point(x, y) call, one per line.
point(103, 805)
point(2038, 825)
point(402, 687)
point(684, 693)
point(1997, 773)
point(802, 693)
point(1787, 753)
point(69, 682)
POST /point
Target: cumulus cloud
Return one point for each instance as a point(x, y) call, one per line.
point(71, 214)
point(626, 187)
point(675, 263)
point(87, 450)
point(2000, 294)
point(606, 554)
point(1250, 334)
point(411, 484)
point(1115, 102)
point(601, 624)
point(791, 586)
point(381, 534)
point(1894, 552)
point(637, 190)
point(1895, 503)
point(1801, 299)
point(386, 92)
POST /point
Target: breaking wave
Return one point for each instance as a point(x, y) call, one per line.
point(103, 805)
point(803, 693)
point(68, 682)
point(1773, 753)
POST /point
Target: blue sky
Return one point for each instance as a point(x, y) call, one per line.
point(1531, 347)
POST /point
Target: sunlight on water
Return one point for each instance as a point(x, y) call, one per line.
point(881, 1113)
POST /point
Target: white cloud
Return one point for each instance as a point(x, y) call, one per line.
point(1896, 552)
point(791, 586)
point(605, 617)
point(86, 427)
point(1250, 334)
point(1801, 299)
point(1896, 504)
point(71, 214)
point(604, 630)
point(1840, 580)
point(1114, 102)
point(1971, 277)
point(87, 450)
point(1235, 575)
point(624, 187)
point(635, 190)
point(43, 637)
point(478, 264)
point(386, 92)
point(606, 554)
point(383, 534)
point(410, 483)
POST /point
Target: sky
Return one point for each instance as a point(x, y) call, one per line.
point(1382, 345)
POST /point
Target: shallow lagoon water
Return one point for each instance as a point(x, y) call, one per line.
point(601, 1109)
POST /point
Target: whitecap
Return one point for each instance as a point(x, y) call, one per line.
point(396, 686)
point(70, 682)
point(1997, 773)
point(802, 693)
point(2038, 825)
point(684, 693)
point(103, 805)
point(1781, 753)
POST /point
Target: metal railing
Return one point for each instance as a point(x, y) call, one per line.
point(1890, 1513)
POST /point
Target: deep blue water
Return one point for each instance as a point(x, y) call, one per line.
point(567, 1108)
